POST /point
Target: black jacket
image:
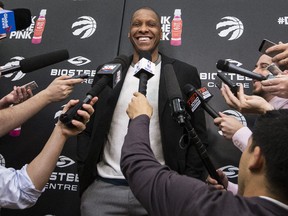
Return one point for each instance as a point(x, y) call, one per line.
point(185, 161)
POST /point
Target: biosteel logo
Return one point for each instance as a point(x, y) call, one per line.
point(230, 171)
point(230, 27)
point(84, 27)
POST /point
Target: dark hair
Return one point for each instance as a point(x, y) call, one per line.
point(270, 133)
point(1, 4)
point(147, 8)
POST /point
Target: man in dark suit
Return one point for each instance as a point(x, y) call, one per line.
point(262, 172)
point(102, 185)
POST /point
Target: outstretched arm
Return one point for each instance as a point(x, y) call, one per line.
point(16, 115)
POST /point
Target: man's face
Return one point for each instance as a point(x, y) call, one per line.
point(260, 68)
point(145, 31)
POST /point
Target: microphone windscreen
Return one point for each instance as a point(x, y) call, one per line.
point(104, 80)
point(146, 55)
point(188, 89)
point(123, 60)
point(172, 85)
point(222, 65)
point(22, 18)
point(34, 63)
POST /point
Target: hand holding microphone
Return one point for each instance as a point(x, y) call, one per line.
point(226, 66)
point(37, 62)
point(110, 75)
point(139, 105)
point(195, 99)
point(144, 70)
point(245, 103)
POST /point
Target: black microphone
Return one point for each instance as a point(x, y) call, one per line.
point(233, 87)
point(22, 18)
point(174, 94)
point(110, 75)
point(34, 63)
point(231, 68)
point(195, 99)
point(144, 70)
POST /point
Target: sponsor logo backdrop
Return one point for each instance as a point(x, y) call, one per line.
point(95, 32)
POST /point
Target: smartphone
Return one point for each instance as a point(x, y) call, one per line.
point(83, 76)
point(265, 44)
point(274, 69)
point(31, 85)
point(222, 77)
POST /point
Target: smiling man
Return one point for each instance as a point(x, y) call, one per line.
point(104, 189)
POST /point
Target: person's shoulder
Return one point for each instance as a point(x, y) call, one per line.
point(178, 63)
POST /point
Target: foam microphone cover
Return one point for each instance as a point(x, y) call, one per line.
point(22, 18)
point(145, 54)
point(34, 63)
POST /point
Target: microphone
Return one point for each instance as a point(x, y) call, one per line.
point(174, 95)
point(22, 18)
point(14, 20)
point(110, 75)
point(228, 67)
point(195, 99)
point(144, 70)
point(34, 63)
point(274, 69)
point(234, 88)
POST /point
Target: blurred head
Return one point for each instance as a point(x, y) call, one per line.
point(145, 31)
point(260, 68)
point(269, 141)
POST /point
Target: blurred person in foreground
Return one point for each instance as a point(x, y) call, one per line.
point(263, 173)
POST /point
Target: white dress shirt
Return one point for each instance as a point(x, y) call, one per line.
point(16, 189)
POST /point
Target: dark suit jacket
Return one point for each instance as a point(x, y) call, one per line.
point(185, 161)
point(165, 192)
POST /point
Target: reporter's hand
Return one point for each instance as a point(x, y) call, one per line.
point(87, 111)
point(60, 88)
point(16, 96)
point(245, 103)
point(280, 59)
point(228, 125)
point(214, 183)
point(139, 105)
point(277, 86)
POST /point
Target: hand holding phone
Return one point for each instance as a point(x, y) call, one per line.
point(31, 85)
point(265, 44)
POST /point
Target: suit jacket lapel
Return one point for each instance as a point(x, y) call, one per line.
point(163, 97)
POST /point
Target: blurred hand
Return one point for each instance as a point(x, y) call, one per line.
point(87, 111)
point(228, 125)
point(60, 88)
point(214, 183)
point(16, 96)
point(277, 86)
point(280, 59)
point(244, 103)
point(139, 105)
